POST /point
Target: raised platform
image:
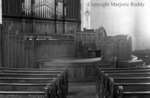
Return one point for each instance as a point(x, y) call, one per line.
point(79, 70)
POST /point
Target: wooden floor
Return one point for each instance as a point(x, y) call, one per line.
point(82, 90)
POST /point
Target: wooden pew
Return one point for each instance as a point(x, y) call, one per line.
point(24, 86)
point(129, 74)
point(135, 83)
point(33, 76)
point(119, 73)
point(33, 85)
point(133, 94)
point(39, 72)
point(24, 80)
point(13, 77)
point(26, 94)
point(29, 75)
point(131, 90)
point(138, 86)
point(141, 67)
point(33, 70)
point(128, 84)
point(102, 74)
point(24, 70)
point(126, 71)
point(31, 90)
point(51, 68)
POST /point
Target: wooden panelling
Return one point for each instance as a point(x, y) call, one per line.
point(50, 49)
point(22, 18)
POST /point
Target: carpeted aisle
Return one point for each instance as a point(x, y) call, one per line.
point(82, 90)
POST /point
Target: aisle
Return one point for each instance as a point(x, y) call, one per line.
point(82, 90)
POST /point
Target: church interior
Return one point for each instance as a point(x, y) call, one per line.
point(74, 49)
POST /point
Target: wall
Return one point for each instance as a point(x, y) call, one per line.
point(142, 30)
point(116, 20)
point(133, 19)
